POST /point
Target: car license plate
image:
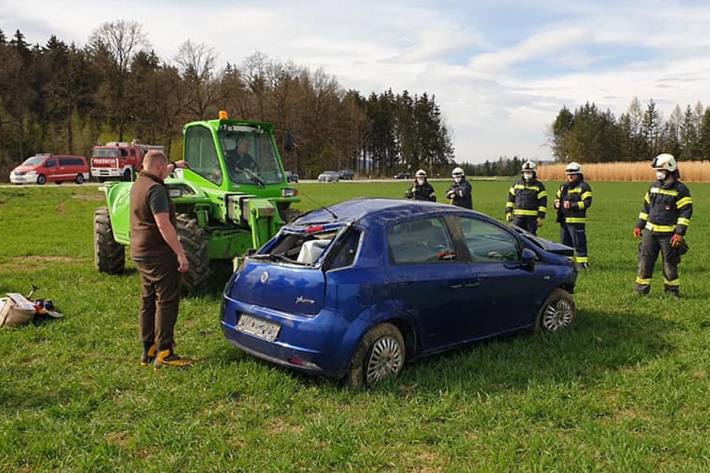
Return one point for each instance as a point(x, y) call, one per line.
point(258, 327)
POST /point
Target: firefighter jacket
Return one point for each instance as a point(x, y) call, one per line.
point(421, 192)
point(579, 195)
point(460, 194)
point(527, 199)
point(667, 208)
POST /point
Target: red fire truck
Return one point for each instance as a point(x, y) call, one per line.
point(118, 160)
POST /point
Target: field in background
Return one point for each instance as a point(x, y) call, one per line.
point(626, 390)
point(691, 171)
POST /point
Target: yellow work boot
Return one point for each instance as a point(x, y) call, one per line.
point(149, 352)
point(168, 358)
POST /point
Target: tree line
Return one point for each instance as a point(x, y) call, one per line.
point(65, 98)
point(592, 135)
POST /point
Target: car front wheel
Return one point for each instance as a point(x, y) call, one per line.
point(557, 313)
point(41, 179)
point(381, 354)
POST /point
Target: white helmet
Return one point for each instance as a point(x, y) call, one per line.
point(573, 168)
point(457, 172)
point(664, 162)
point(420, 173)
point(529, 166)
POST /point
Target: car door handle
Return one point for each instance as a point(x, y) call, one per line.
point(463, 284)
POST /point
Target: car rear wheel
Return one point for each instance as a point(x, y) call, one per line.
point(557, 313)
point(194, 242)
point(41, 179)
point(109, 255)
point(381, 354)
point(79, 179)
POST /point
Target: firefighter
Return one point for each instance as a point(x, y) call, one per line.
point(662, 223)
point(573, 200)
point(421, 190)
point(460, 191)
point(527, 200)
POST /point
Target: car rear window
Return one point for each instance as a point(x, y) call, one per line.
point(300, 248)
point(425, 240)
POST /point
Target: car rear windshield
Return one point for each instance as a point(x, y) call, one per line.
point(308, 248)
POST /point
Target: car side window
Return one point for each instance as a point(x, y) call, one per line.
point(50, 163)
point(488, 243)
point(201, 155)
point(425, 240)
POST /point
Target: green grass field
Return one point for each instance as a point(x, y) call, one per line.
point(628, 389)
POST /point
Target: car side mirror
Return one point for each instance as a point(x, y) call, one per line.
point(527, 259)
point(289, 142)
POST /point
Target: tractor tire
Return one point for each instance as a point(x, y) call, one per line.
point(288, 215)
point(194, 242)
point(109, 255)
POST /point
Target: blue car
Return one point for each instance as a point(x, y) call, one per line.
point(355, 290)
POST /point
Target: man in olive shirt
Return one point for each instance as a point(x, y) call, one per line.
point(160, 259)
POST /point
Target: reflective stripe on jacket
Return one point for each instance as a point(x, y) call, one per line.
point(527, 199)
point(667, 208)
point(579, 195)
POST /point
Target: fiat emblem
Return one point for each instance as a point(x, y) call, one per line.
point(264, 278)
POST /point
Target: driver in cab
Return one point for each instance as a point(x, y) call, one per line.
point(239, 158)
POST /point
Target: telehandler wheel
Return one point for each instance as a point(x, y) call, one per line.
point(109, 255)
point(287, 215)
point(194, 242)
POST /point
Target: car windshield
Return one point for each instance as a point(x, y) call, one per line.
point(250, 155)
point(34, 161)
point(104, 153)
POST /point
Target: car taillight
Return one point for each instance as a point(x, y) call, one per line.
point(314, 229)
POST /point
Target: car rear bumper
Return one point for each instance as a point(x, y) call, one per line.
point(311, 344)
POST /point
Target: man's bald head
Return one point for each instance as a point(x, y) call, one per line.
point(154, 161)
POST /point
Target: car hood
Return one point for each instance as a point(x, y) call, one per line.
point(25, 168)
point(547, 245)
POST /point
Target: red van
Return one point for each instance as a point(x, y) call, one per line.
point(43, 168)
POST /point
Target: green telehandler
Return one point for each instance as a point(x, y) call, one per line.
point(234, 197)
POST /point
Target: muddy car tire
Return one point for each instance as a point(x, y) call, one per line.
point(194, 242)
point(380, 354)
point(557, 313)
point(109, 255)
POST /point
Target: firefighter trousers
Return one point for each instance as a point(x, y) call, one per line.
point(652, 244)
point(527, 223)
point(575, 235)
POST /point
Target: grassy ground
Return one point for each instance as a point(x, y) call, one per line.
point(626, 390)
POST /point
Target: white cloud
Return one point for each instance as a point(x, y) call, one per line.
point(494, 88)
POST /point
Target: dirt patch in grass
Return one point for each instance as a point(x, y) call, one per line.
point(279, 425)
point(23, 263)
point(120, 439)
point(89, 197)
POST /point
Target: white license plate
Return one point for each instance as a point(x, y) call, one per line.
point(258, 327)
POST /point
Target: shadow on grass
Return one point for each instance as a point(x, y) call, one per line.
point(599, 343)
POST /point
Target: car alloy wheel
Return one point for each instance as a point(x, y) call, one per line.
point(385, 359)
point(557, 314)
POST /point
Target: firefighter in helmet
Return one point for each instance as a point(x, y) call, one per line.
point(421, 190)
point(527, 200)
point(662, 223)
point(460, 190)
point(573, 200)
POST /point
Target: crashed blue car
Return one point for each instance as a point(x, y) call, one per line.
point(356, 290)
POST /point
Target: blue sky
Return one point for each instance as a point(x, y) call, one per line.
point(500, 69)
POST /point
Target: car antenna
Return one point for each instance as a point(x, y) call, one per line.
point(321, 206)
